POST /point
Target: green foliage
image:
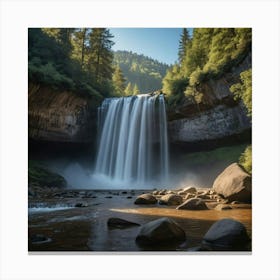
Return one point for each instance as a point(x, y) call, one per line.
point(141, 70)
point(229, 153)
point(207, 55)
point(245, 159)
point(40, 175)
point(183, 44)
point(78, 59)
point(118, 82)
point(135, 90)
point(129, 89)
point(243, 90)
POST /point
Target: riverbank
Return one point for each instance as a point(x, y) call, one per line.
point(77, 220)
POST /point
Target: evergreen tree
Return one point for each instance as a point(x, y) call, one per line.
point(100, 54)
point(184, 40)
point(129, 89)
point(135, 90)
point(118, 82)
point(79, 41)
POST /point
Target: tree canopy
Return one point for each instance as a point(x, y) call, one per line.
point(76, 59)
point(207, 55)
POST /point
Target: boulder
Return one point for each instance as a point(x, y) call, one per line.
point(234, 184)
point(145, 198)
point(171, 199)
point(163, 230)
point(120, 223)
point(227, 235)
point(193, 204)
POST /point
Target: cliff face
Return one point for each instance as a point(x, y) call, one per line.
point(217, 116)
point(59, 116)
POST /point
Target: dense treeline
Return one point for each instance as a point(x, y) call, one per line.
point(208, 54)
point(143, 74)
point(76, 59)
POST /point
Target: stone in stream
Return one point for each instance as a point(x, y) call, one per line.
point(226, 235)
point(39, 239)
point(221, 207)
point(81, 204)
point(234, 184)
point(145, 198)
point(120, 223)
point(171, 199)
point(163, 230)
point(193, 204)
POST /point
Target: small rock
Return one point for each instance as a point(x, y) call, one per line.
point(163, 230)
point(189, 190)
point(170, 192)
point(227, 235)
point(108, 196)
point(235, 202)
point(155, 192)
point(193, 204)
point(162, 192)
point(129, 197)
point(203, 196)
point(124, 192)
point(81, 204)
point(145, 199)
point(120, 223)
point(221, 207)
point(171, 199)
point(39, 239)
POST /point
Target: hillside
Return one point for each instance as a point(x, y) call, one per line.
point(146, 72)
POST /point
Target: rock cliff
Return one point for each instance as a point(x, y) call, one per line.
point(217, 116)
point(59, 116)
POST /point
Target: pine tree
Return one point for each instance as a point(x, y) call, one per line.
point(100, 54)
point(79, 42)
point(184, 40)
point(135, 90)
point(118, 81)
point(129, 89)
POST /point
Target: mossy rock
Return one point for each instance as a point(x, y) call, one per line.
point(41, 176)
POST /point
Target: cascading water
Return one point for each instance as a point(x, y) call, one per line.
point(133, 141)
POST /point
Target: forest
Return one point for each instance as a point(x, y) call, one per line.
point(81, 60)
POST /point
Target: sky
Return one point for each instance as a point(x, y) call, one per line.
point(158, 43)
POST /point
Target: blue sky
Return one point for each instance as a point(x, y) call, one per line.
point(158, 43)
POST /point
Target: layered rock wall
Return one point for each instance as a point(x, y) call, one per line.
point(59, 116)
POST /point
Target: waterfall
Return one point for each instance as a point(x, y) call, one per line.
point(133, 140)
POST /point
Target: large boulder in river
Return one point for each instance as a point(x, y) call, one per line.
point(171, 199)
point(234, 184)
point(145, 198)
point(193, 204)
point(163, 230)
point(226, 235)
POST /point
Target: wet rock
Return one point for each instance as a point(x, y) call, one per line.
point(193, 204)
point(145, 199)
point(160, 231)
point(155, 192)
point(226, 235)
point(120, 223)
point(188, 190)
point(162, 192)
point(81, 204)
point(221, 207)
point(39, 239)
point(129, 197)
point(124, 192)
point(171, 199)
point(108, 196)
point(234, 184)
